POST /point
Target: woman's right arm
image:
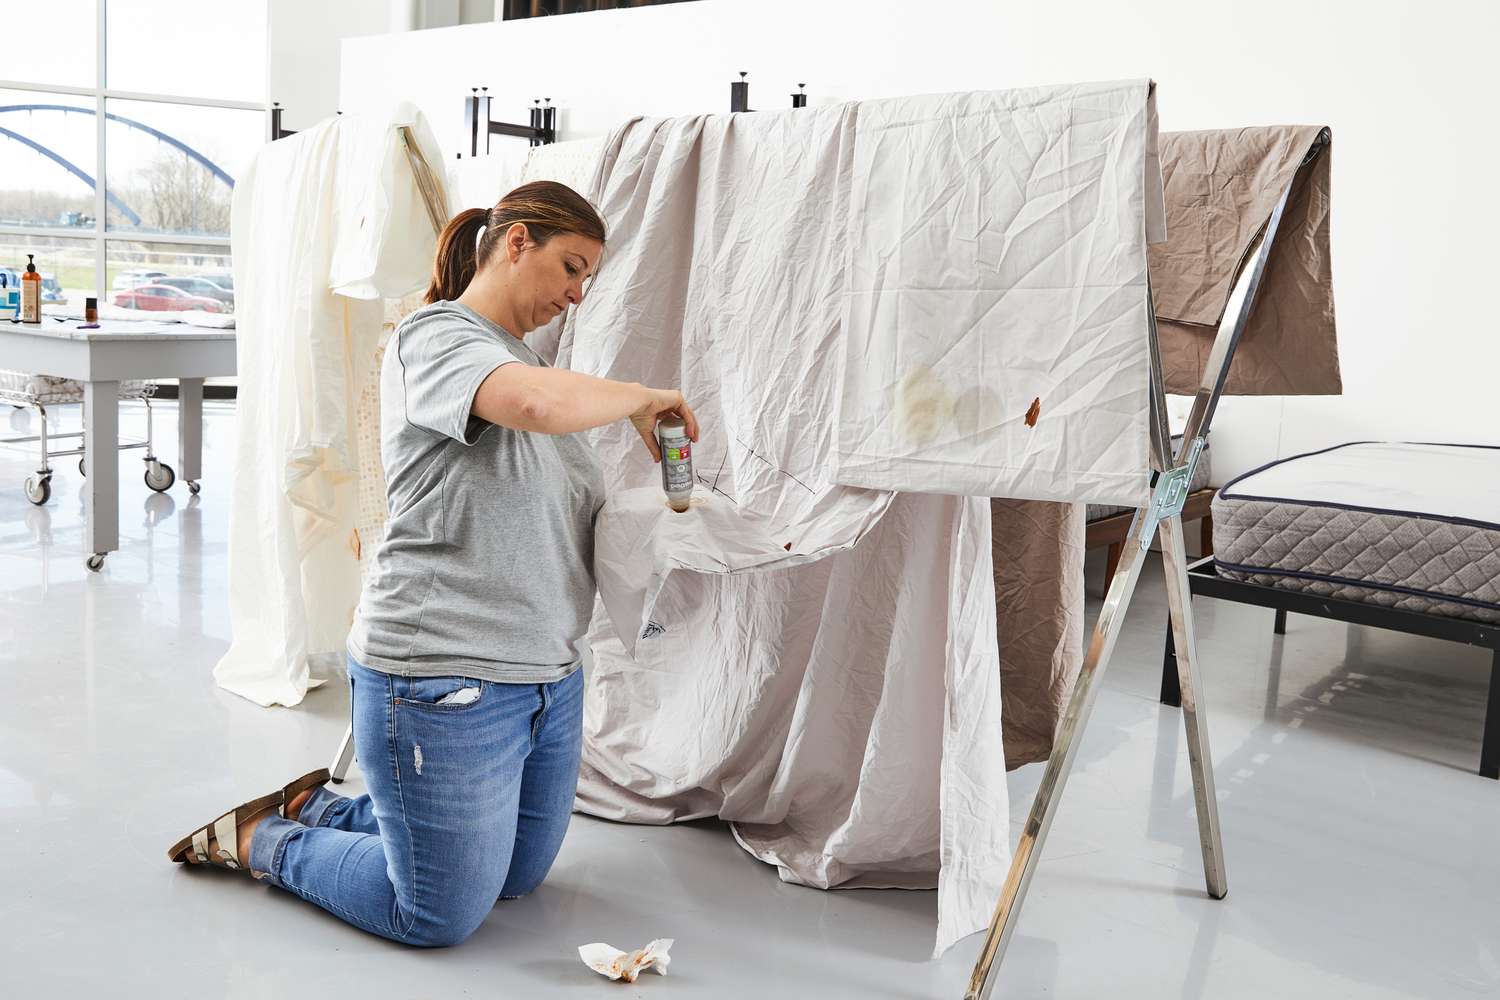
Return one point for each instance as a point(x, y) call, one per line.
point(557, 401)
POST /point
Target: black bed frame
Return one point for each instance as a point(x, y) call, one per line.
point(1204, 581)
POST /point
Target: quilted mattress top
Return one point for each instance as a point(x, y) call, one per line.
point(1459, 483)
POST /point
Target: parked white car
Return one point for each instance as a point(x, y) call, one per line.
point(136, 277)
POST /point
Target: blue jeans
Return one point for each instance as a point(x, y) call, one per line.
point(468, 803)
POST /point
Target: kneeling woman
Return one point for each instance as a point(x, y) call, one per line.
point(464, 656)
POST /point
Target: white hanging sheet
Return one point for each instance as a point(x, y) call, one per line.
point(479, 182)
point(995, 339)
point(812, 662)
point(576, 164)
point(324, 225)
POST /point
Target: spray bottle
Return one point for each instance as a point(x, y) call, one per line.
point(676, 462)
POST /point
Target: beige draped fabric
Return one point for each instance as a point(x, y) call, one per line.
point(1221, 187)
point(1039, 618)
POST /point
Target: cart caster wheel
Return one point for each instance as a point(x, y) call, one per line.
point(83, 470)
point(39, 489)
point(163, 478)
point(194, 487)
point(95, 562)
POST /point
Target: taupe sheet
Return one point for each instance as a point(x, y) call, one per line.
point(1038, 551)
point(1221, 187)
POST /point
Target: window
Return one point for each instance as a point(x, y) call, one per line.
point(47, 161)
point(122, 130)
point(211, 50)
point(69, 55)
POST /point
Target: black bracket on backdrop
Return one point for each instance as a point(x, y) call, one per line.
point(739, 95)
point(277, 132)
point(479, 127)
point(542, 127)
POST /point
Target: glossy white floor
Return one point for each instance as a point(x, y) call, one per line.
point(1361, 846)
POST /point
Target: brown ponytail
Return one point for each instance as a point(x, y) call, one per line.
point(545, 207)
point(455, 264)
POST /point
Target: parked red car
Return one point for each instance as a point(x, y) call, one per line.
point(164, 298)
point(198, 286)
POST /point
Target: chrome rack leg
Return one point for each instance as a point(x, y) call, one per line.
point(1200, 760)
point(1065, 748)
point(344, 757)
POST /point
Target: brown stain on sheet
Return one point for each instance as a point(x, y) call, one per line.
point(1034, 412)
point(924, 406)
point(928, 412)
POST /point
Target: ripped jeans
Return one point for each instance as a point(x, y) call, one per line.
point(470, 795)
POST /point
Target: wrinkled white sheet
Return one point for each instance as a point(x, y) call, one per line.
point(812, 661)
point(575, 164)
point(324, 224)
point(479, 182)
point(997, 269)
point(819, 667)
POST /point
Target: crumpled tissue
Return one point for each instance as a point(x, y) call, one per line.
point(615, 964)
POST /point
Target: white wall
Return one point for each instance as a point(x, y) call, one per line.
point(1409, 89)
point(304, 38)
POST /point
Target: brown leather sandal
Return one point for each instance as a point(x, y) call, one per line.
point(218, 843)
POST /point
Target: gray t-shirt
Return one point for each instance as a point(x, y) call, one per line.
point(487, 567)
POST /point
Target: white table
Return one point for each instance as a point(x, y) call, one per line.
point(102, 359)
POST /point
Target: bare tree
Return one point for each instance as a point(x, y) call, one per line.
point(23, 207)
point(177, 195)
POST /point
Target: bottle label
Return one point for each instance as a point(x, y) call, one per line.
point(677, 467)
point(31, 301)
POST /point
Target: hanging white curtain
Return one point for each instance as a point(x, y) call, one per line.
point(326, 227)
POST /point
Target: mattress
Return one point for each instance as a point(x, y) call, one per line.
point(1401, 525)
point(1201, 478)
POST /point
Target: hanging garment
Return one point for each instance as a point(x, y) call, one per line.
point(810, 661)
point(480, 182)
point(1038, 550)
point(325, 225)
point(1221, 187)
point(841, 711)
point(1037, 546)
point(995, 342)
point(374, 511)
point(575, 164)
